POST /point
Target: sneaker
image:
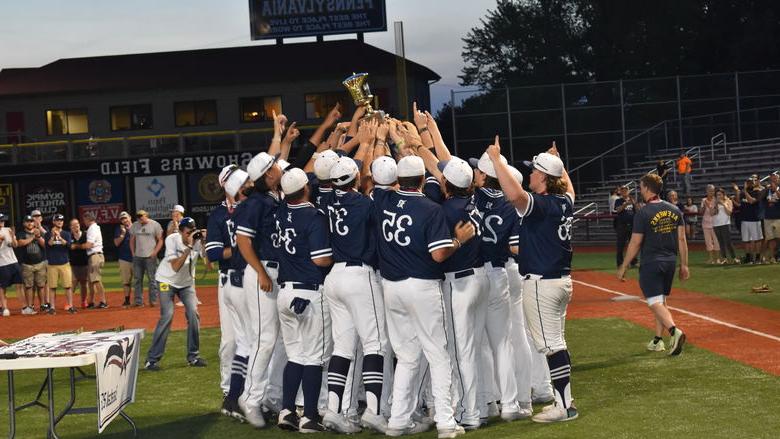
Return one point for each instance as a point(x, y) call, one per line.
point(71, 310)
point(228, 406)
point(200, 362)
point(102, 305)
point(50, 310)
point(6, 312)
point(91, 305)
point(493, 410)
point(179, 304)
point(252, 414)
point(44, 307)
point(200, 303)
point(656, 347)
point(514, 413)
point(677, 342)
point(307, 425)
point(470, 427)
point(126, 303)
point(152, 366)
point(449, 433)
point(288, 420)
point(138, 305)
point(554, 413)
point(84, 304)
point(416, 427)
point(152, 304)
point(337, 422)
point(373, 421)
point(28, 311)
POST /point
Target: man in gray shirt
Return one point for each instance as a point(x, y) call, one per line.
point(659, 231)
point(146, 240)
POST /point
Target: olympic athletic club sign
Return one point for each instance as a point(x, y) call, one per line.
point(163, 165)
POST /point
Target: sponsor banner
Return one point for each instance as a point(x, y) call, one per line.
point(103, 196)
point(7, 201)
point(116, 369)
point(166, 165)
point(49, 197)
point(205, 193)
point(104, 213)
point(285, 19)
point(156, 195)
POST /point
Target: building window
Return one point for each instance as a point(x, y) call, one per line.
point(195, 113)
point(318, 104)
point(70, 121)
point(260, 109)
point(131, 117)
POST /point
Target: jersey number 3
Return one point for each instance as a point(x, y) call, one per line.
point(393, 229)
point(336, 218)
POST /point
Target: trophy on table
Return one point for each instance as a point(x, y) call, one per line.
point(358, 88)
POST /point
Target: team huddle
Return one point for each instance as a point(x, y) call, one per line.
point(377, 281)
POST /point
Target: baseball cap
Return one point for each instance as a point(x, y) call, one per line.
point(516, 174)
point(28, 218)
point(344, 171)
point(187, 222)
point(35, 212)
point(225, 173)
point(58, 217)
point(142, 213)
point(322, 164)
point(284, 164)
point(124, 214)
point(259, 165)
point(485, 165)
point(384, 170)
point(457, 172)
point(234, 182)
point(294, 180)
point(411, 166)
point(547, 163)
point(178, 208)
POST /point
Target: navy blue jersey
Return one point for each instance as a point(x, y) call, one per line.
point(322, 197)
point(514, 238)
point(545, 235)
point(254, 218)
point(303, 234)
point(410, 227)
point(498, 219)
point(352, 228)
point(457, 209)
point(432, 189)
point(219, 236)
point(237, 261)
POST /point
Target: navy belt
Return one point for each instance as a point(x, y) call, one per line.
point(300, 286)
point(354, 264)
point(272, 264)
point(546, 276)
point(464, 273)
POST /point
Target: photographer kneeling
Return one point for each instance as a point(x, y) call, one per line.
point(176, 275)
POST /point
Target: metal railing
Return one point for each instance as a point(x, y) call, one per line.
point(718, 139)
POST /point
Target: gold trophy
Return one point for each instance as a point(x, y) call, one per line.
point(358, 88)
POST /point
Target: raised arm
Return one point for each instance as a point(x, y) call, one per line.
point(333, 116)
point(442, 152)
point(279, 122)
point(513, 190)
point(289, 137)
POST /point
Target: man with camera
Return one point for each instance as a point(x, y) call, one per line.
point(176, 276)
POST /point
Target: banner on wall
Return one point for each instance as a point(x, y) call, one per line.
point(205, 193)
point(103, 196)
point(49, 197)
point(7, 201)
point(156, 195)
point(166, 165)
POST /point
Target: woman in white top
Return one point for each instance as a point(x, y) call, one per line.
point(721, 222)
point(691, 218)
point(708, 205)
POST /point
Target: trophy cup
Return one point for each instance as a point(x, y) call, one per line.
point(357, 87)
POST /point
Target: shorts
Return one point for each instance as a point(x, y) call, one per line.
point(751, 231)
point(79, 272)
point(125, 272)
point(59, 272)
point(95, 267)
point(655, 278)
point(10, 274)
point(771, 229)
point(34, 275)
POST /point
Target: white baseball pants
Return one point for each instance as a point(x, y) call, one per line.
point(227, 341)
point(545, 302)
point(518, 336)
point(498, 326)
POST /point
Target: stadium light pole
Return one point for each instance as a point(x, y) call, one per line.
point(400, 70)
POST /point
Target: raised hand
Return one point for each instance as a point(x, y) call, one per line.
point(553, 150)
point(367, 131)
point(333, 115)
point(280, 120)
point(494, 150)
point(420, 120)
point(292, 133)
point(382, 130)
point(410, 134)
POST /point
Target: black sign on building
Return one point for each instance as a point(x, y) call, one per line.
point(271, 19)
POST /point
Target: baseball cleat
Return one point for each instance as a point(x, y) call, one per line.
point(373, 421)
point(412, 429)
point(554, 413)
point(449, 433)
point(307, 425)
point(677, 342)
point(493, 410)
point(656, 347)
point(288, 420)
point(252, 414)
point(339, 423)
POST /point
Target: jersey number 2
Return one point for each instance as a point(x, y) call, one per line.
point(393, 229)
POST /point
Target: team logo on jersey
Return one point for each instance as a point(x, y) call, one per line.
point(99, 191)
point(209, 189)
point(401, 204)
point(289, 217)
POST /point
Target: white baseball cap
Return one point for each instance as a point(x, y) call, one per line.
point(294, 180)
point(283, 164)
point(235, 180)
point(457, 172)
point(259, 165)
point(225, 173)
point(516, 173)
point(485, 165)
point(411, 166)
point(178, 208)
point(547, 163)
point(344, 171)
point(322, 164)
point(384, 170)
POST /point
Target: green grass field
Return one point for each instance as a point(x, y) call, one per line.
point(622, 391)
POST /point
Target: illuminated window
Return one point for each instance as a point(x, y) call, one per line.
point(260, 109)
point(195, 113)
point(131, 117)
point(318, 104)
point(70, 121)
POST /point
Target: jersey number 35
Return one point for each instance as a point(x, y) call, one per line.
point(393, 228)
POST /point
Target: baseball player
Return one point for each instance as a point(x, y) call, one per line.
point(498, 217)
point(545, 264)
point(303, 312)
point(659, 231)
point(322, 190)
point(414, 239)
point(219, 249)
point(255, 238)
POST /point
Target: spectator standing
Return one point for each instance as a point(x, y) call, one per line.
point(625, 208)
point(78, 261)
point(750, 228)
point(146, 240)
point(662, 169)
point(32, 247)
point(613, 197)
point(685, 169)
point(771, 201)
point(95, 260)
point(10, 271)
point(177, 213)
point(708, 209)
point(673, 198)
point(125, 256)
point(58, 243)
point(721, 221)
point(691, 212)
